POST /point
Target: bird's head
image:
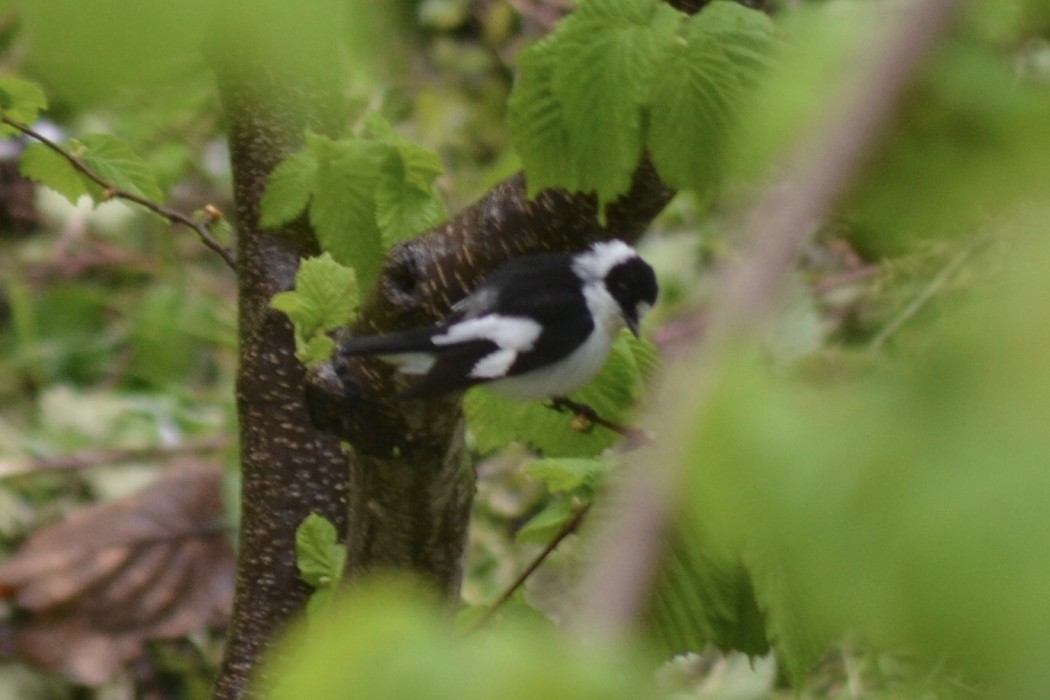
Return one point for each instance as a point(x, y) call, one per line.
point(628, 279)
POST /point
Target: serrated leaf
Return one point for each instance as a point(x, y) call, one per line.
point(537, 122)
point(328, 293)
point(568, 474)
point(324, 298)
point(421, 166)
point(20, 101)
point(115, 162)
point(747, 36)
point(600, 81)
point(697, 86)
point(288, 189)
point(700, 599)
point(343, 210)
point(319, 555)
point(547, 523)
point(576, 115)
point(41, 164)
point(288, 303)
point(693, 92)
point(402, 210)
point(315, 350)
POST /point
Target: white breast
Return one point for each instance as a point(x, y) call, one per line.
point(581, 365)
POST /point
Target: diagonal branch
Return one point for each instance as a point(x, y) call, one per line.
point(202, 229)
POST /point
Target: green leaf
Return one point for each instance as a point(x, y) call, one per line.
point(20, 101)
point(388, 641)
point(568, 474)
point(288, 189)
point(343, 210)
point(328, 292)
point(542, 527)
point(576, 114)
point(41, 164)
point(697, 86)
point(701, 598)
point(115, 162)
point(325, 298)
point(318, 554)
point(315, 350)
point(496, 421)
point(403, 210)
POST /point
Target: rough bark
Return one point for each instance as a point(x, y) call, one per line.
point(289, 469)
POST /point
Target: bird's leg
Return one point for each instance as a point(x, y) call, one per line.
point(583, 412)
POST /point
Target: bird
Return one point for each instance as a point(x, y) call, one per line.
point(539, 326)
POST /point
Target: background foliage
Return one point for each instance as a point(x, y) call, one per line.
point(863, 500)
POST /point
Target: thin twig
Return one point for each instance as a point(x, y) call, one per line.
point(634, 436)
point(571, 526)
point(93, 458)
point(113, 192)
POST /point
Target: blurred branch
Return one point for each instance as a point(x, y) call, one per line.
point(639, 509)
point(94, 458)
point(201, 228)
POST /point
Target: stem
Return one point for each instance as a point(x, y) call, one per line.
point(567, 529)
point(114, 192)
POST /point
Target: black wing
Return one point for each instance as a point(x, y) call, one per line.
point(539, 287)
point(543, 288)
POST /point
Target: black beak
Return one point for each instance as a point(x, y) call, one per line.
point(632, 324)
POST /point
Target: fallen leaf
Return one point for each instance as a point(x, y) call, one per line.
point(99, 584)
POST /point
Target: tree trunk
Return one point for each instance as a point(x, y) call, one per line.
point(272, 92)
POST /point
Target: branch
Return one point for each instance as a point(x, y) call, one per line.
point(625, 550)
point(202, 229)
point(634, 436)
point(567, 529)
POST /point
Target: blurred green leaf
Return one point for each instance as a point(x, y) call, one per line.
point(386, 641)
point(542, 527)
point(20, 101)
point(288, 189)
point(42, 164)
point(170, 332)
point(567, 474)
point(116, 163)
point(908, 505)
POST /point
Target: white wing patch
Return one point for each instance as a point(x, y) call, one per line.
point(508, 332)
point(512, 335)
point(495, 364)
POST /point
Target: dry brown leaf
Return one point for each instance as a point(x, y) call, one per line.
point(99, 584)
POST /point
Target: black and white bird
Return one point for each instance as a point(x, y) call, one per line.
point(539, 326)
